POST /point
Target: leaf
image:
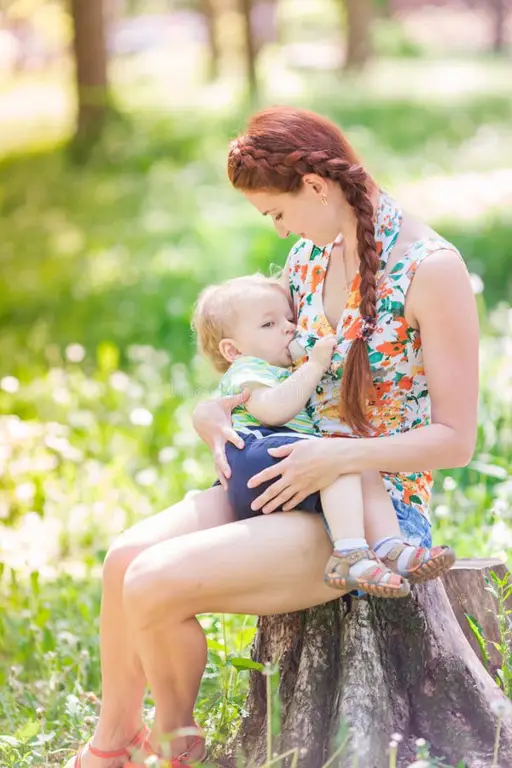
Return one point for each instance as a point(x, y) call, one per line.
point(240, 663)
point(27, 731)
point(489, 470)
point(214, 645)
point(479, 635)
point(34, 582)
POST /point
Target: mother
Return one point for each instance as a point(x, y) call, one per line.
point(409, 395)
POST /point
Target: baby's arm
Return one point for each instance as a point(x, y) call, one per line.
point(274, 406)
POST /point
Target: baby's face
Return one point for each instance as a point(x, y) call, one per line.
point(265, 326)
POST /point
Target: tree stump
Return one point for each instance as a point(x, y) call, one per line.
point(383, 666)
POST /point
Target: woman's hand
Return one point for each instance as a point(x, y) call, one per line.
point(212, 422)
point(309, 466)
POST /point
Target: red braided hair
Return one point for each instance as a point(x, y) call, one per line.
point(281, 146)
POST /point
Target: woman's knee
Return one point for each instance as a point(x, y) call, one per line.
point(117, 561)
point(155, 584)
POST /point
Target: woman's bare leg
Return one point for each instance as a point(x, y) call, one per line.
point(269, 564)
point(123, 679)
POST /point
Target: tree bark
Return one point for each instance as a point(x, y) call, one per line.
point(91, 70)
point(499, 18)
point(380, 667)
point(359, 15)
point(249, 48)
point(208, 9)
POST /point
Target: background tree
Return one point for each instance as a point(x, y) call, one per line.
point(90, 52)
point(499, 15)
point(359, 15)
point(209, 11)
point(250, 48)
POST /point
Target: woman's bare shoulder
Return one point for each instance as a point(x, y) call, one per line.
point(441, 279)
point(412, 231)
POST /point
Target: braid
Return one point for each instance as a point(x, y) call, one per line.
point(279, 149)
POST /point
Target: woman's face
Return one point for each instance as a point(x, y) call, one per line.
point(302, 213)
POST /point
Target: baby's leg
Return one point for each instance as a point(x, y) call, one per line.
point(353, 565)
point(382, 530)
point(342, 503)
point(380, 520)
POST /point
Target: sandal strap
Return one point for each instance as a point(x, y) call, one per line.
point(395, 551)
point(341, 563)
point(177, 762)
point(354, 556)
point(185, 755)
point(138, 740)
point(416, 558)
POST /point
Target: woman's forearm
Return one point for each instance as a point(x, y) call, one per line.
point(435, 446)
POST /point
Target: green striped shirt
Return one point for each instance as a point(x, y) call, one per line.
point(246, 370)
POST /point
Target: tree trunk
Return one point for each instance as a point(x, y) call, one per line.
point(91, 70)
point(380, 667)
point(359, 14)
point(499, 18)
point(249, 48)
point(209, 12)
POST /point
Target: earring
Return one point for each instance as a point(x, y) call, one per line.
point(323, 200)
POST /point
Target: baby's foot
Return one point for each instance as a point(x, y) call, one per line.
point(361, 569)
point(417, 564)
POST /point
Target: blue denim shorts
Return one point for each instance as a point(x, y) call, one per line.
point(254, 458)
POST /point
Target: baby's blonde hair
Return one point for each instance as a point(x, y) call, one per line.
point(216, 312)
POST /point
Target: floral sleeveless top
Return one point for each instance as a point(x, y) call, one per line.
point(401, 400)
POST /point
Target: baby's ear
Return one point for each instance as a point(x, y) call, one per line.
point(229, 350)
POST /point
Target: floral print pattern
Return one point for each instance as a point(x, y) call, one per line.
point(401, 399)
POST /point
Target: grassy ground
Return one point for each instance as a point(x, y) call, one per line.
point(99, 267)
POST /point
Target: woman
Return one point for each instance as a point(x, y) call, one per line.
point(399, 299)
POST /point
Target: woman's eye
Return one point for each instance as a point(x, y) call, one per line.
point(269, 324)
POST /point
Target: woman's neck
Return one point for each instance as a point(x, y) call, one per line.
point(348, 229)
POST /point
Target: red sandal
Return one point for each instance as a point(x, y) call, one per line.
point(139, 740)
point(183, 758)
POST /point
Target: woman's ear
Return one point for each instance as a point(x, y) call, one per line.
point(316, 183)
point(229, 350)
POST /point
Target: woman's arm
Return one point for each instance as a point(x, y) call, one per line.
point(441, 304)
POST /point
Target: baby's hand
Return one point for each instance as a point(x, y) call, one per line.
point(321, 354)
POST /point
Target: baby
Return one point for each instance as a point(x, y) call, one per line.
point(245, 327)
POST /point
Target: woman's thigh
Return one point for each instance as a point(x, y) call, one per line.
point(264, 565)
point(197, 512)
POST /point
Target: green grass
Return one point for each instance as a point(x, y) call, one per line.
point(99, 267)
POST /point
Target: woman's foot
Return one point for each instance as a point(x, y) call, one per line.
point(361, 569)
point(192, 746)
point(417, 564)
point(90, 756)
